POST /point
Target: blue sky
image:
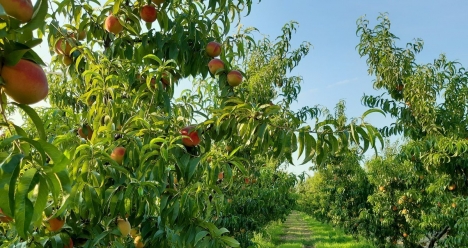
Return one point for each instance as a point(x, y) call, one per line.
point(333, 70)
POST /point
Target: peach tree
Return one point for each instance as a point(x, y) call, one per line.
point(419, 188)
point(117, 159)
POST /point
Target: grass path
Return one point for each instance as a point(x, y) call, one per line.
point(301, 231)
point(296, 232)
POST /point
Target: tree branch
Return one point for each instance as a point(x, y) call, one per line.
point(438, 236)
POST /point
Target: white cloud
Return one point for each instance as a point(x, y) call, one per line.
point(342, 82)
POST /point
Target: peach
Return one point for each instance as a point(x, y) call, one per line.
point(452, 187)
point(70, 244)
point(118, 154)
point(213, 49)
point(124, 227)
point(86, 132)
point(4, 217)
point(138, 243)
point(81, 35)
point(214, 65)
point(234, 78)
point(134, 233)
point(66, 60)
point(55, 224)
point(193, 139)
point(63, 47)
point(148, 13)
point(113, 25)
point(25, 82)
point(19, 9)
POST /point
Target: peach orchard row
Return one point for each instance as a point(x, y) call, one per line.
point(117, 159)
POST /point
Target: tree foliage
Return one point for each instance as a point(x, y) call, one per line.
point(418, 190)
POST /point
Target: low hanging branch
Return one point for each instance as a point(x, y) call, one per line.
point(438, 236)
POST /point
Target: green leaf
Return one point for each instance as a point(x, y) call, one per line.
point(372, 111)
point(293, 142)
point(230, 241)
point(301, 142)
point(192, 167)
point(239, 166)
point(164, 199)
point(200, 235)
point(353, 133)
point(9, 172)
point(39, 16)
point(65, 181)
point(153, 57)
point(14, 51)
point(310, 146)
point(35, 118)
point(23, 206)
point(116, 8)
point(221, 231)
point(60, 161)
point(41, 201)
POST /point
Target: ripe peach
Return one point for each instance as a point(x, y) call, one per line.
point(66, 60)
point(214, 65)
point(193, 138)
point(452, 187)
point(148, 13)
point(113, 25)
point(234, 78)
point(63, 47)
point(55, 224)
point(134, 233)
point(138, 243)
point(25, 82)
point(4, 217)
point(166, 79)
point(124, 227)
point(158, 2)
point(213, 49)
point(81, 35)
point(86, 132)
point(118, 154)
point(19, 9)
point(70, 244)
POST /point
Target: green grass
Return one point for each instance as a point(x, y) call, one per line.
point(270, 236)
point(301, 231)
point(327, 236)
